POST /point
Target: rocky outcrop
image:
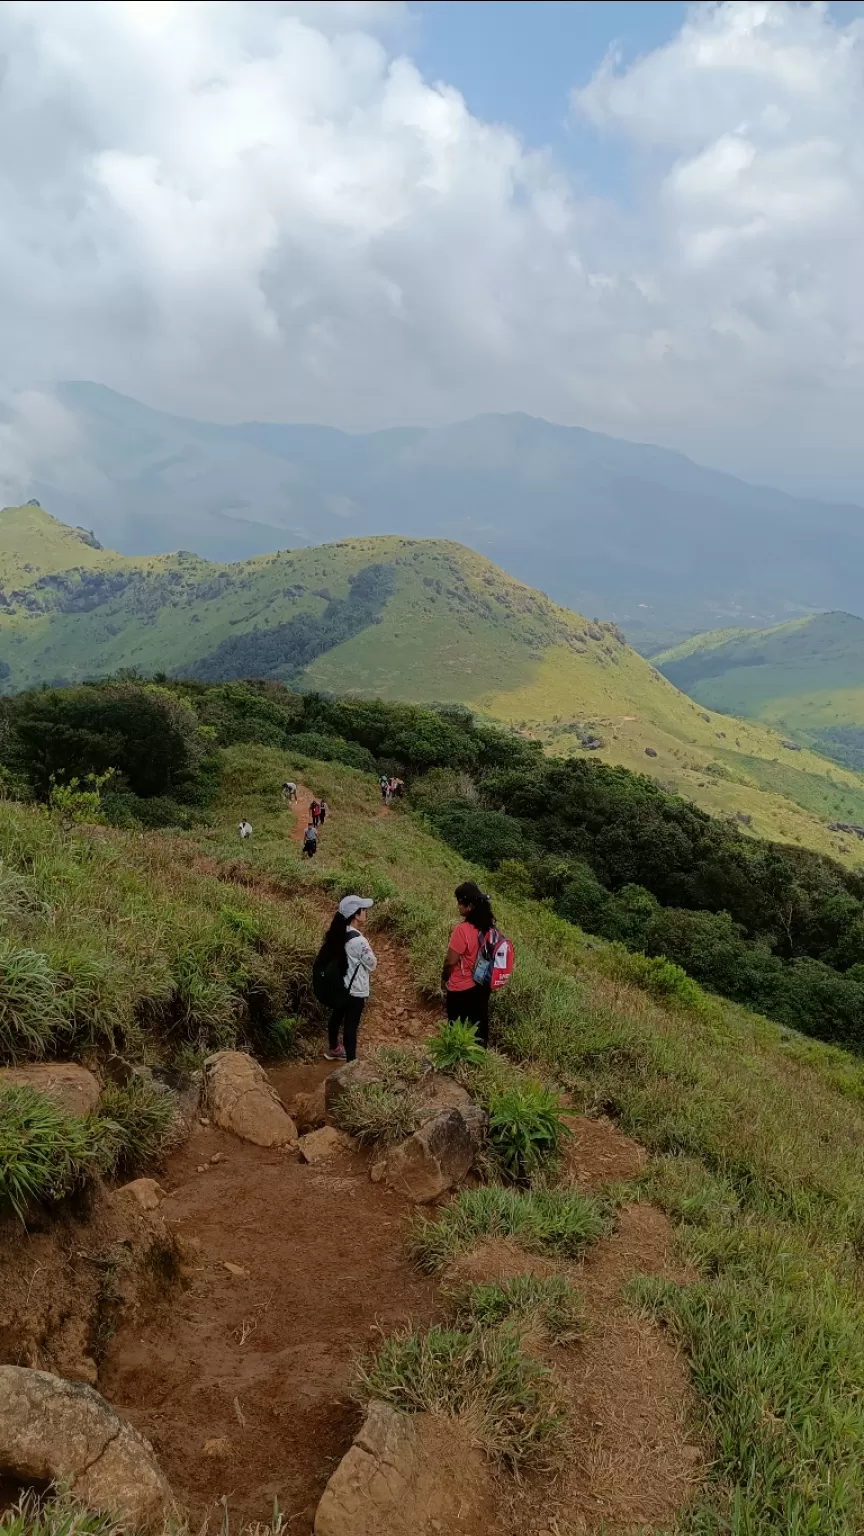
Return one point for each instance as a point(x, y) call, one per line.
point(309, 1110)
point(239, 1098)
point(72, 1087)
point(53, 1430)
point(354, 1074)
point(145, 1193)
point(436, 1158)
point(407, 1475)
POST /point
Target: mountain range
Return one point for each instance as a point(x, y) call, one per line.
point(415, 620)
point(625, 530)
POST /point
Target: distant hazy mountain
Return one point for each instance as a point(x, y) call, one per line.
point(622, 529)
point(804, 678)
point(420, 620)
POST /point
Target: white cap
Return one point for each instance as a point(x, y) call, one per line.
point(349, 906)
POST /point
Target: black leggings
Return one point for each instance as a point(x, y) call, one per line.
point(347, 1017)
point(472, 1006)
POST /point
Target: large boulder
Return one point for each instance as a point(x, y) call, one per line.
point(72, 1087)
point(240, 1099)
point(354, 1074)
point(434, 1159)
point(407, 1475)
point(53, 1430)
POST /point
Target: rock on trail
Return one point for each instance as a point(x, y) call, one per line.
point(240, 1099)
point(53, 1430)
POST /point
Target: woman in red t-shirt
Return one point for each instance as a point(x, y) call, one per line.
point(465, 1000)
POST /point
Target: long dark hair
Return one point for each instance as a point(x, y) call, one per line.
point(335, 940)
point(480, 908)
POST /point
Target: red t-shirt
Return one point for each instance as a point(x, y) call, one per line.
point(465, 942)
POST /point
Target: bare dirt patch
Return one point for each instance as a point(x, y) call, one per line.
point(597, 1153)
point(243, 1388)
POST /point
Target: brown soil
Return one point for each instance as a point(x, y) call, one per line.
point(244, 1389)
point(597, 1153)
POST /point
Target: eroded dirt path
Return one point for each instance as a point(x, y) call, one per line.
point(244, 1386)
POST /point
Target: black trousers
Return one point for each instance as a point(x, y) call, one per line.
point(347, 1018)
point(472, 1007)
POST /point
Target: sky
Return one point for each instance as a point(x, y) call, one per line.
point(642, 218)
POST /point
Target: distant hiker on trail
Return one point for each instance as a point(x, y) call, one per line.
point(310, 841)
point(289, 790)
point(315, 812)
point(340, 976)
point(384, 782)
point(245, 829)
point(465, 999)
point(323, 812)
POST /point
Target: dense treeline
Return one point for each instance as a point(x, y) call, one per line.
point(778, 928)
point(160, 740)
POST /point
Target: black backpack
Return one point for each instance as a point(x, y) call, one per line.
point(328, 979)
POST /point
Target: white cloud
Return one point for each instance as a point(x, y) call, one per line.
point(264, 210)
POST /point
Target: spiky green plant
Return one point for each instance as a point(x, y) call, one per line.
point(453, 1044)
point(526, 1127)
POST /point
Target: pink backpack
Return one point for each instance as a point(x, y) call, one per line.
point(494, 964)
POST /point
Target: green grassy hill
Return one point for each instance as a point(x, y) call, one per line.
point(805, 678)
point(406, 619)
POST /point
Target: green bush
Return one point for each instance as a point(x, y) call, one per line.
point(373, 1113)
point(453, 1044)
point(45, 1153)
point(332, 749)
point(139, 1119)
point(482, 1377)
point(526, 1127)
point(555, 1221)
point(32, 1016)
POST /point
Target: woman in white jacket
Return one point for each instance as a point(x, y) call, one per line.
point(345, 937)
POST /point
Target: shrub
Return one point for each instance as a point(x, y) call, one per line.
point(374, 1113)
point(556, 1221)
point(44, 1153)
point(397, 1065)
point(31, 1013)
point(332, 749)
point(454, 1043)
point(505, 1399)
point(549, 1300)
point(139, 1119)
point(525, 1129)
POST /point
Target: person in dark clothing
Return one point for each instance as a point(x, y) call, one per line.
point(345, 939)
point(465, 1000)
point(310, 841)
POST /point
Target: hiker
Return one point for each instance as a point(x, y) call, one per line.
point(345, 947)
point(245, 829)
point(310, 841)
point(323, 812)
point(384, 783)
point(289, 790)
point(465, 1000)
point(315, 812)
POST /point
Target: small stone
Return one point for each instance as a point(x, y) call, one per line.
point(202, 1167)
point(219, 1447)
point(203, 1120)
point(322, 1143)
point(145, 1192)
point(235, 1269)
point(218, 1157)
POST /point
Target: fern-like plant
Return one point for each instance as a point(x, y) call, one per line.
point(526, 1127)
point(454, 1043)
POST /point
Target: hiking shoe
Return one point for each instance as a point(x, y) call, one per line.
point(337, 1055)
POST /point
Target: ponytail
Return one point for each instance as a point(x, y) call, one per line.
point(335, 940)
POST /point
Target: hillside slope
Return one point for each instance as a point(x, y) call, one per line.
point(413, 620)
point(627, 530)
point(805, 678)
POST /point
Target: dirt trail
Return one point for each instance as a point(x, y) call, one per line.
point(244, 1387)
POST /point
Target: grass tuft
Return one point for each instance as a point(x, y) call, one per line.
point(549, 1301)
point(45, 1153)
point(140, 1118)
point(482, 1378)
point(555, 1221)
point(375, 1114)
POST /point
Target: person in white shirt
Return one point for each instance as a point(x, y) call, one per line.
point(345, 934)
point(245, 829)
